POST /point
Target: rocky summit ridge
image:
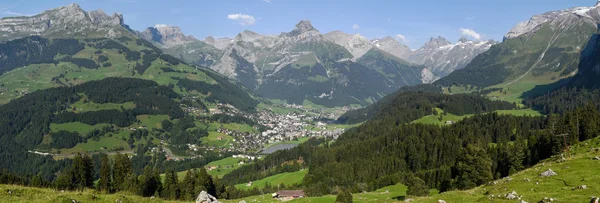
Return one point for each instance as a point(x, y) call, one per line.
point(63, 22)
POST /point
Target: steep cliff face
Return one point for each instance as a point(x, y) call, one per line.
point(66, 21)
point(166, 35)
point(442, 57)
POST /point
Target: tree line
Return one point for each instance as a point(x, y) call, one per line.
point(407, 106)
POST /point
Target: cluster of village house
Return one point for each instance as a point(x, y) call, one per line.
point(278, 127)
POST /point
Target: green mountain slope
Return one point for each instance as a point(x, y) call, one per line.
point(542, 54)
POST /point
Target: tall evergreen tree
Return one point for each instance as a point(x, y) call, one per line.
point(474, 167)
point(171, 186)
point(122, 171)
point(188, 185)
point(105, 183)
point(205, 182)
point(88, 171)
point(78, 171)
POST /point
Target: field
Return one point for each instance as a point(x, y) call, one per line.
point(513, 91)
point(393, 193)
point(434, 119)
point(78, 127)
point(282, 178)
point(223, 163)
point(80, 106)
point(213, 140)
point(39, 195)
point(299, 141)
point(225, 166)
point(231, 126)
point(152, 121)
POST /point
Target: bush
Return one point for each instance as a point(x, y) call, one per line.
point(344, 196)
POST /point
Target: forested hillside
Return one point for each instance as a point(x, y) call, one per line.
point(411, 103)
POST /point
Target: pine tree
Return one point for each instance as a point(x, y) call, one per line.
point(105, 182)
point(64, 181)
point(171, 186)
point(88, 171)
point(205, 182)
point(188, 185)
point(474, 167)
point(78, 171)
point(150, 182)
point(122, 171)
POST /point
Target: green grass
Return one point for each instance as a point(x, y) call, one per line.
point(225, 166)
point(152, 121)
point(282, 178)
point(579, 170)
point(278, 109)
point(299, 141)
point(434, 119)
point(318, 78)
point(520, 112)
point(212, 140)
point(78, 127)
point(514, 92)
point(224, 169)
point(43, 195)
point(80, 106)
point(394, 192)
point(231, 126)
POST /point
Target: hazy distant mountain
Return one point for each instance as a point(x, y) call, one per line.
point(304, 65)
point(166, 35)
point(442, 57)
point(63, 22)
point(439, 56)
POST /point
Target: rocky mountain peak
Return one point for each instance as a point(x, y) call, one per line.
point(436, 43)
point(597, 4)
point(63, 22)
point(166, 35)
point(305, 25)
point(210, 40)
point(303, 30)
point(463, 40)
point(247, 36)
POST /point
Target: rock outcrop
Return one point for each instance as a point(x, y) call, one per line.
point(204, 197)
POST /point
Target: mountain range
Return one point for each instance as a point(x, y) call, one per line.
point(330, 69)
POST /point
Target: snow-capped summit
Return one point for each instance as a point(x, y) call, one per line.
point(566, 16)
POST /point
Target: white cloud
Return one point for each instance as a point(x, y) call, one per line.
point(268, 1)
point(6, 12)
point(242, 19)
point(355, 26)
point(470, 33)
point(400, 37)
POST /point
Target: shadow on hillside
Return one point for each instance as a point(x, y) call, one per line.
point(539, 90)
point(400, 198)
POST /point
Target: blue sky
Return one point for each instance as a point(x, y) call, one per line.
point(415, 21)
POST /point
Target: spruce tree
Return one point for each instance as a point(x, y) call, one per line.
point(171, 186)
point(78, 172)
point(88, 171)
point(188, 185)
point(105, 182)
point(122, 171)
